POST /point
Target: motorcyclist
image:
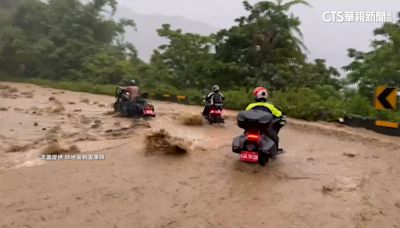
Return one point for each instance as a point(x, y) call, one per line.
point(134, 101)
point(132, 89)
point(261, 97)
point(213, 98)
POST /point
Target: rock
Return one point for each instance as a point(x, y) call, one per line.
point(85, 100)
point(350, 155)
point(35, 124)
point(327, 189)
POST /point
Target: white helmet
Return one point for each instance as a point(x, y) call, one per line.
point(132, 82)
point(215, 88)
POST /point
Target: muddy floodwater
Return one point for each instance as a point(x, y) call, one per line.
point(330, 175)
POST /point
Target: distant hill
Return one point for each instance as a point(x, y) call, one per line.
point(146, 38)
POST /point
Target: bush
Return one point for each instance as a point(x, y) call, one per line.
point(387, 115)
point(237, 99)
point(307, 104)
point(359, 105)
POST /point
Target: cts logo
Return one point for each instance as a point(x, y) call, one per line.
point(333, 16)
point(357, 16)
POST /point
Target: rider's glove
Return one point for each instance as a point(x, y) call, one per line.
point(283, 120)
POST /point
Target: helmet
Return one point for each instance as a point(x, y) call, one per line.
point(132, 82)
point(215, 88)
point(260, 93)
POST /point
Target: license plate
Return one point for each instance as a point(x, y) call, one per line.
point(249, 156)
point(149, 112)
point(216, 113)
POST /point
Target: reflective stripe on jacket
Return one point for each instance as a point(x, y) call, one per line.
point(270, 106)
point(215, 98)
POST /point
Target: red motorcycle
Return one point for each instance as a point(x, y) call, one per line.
point(148, 111)
point(215, 114)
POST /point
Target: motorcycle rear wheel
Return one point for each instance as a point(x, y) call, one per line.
point(210, 120)
point(263, 159)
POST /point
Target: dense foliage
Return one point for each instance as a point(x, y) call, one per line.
point(264, 48)
point(381, 66)
point(186, 61)
point(67, 40)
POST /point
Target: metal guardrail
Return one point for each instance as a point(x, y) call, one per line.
point(168, 97)
point(383, 127)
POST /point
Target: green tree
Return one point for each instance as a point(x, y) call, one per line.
point(186, 61)
point(65, 39)
point(318, 73)
point(381, 66)
point(265, 44)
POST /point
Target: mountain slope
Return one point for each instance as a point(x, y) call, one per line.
point(146, 39)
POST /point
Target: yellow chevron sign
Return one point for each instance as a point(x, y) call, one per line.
point(385, 98)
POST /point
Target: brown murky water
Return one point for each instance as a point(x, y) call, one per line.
point(330, 176)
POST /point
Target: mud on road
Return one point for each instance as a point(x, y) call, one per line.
point(330, 175)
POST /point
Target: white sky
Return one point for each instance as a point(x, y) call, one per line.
point(325, 40)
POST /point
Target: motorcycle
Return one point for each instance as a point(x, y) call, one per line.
point(139, 109)
point(215, 114)
point(255, 146)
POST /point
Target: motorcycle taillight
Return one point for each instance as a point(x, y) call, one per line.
point(253, 136)
point(215, 111)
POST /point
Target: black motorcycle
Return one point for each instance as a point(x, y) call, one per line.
point(255, 145)
point(127, 108)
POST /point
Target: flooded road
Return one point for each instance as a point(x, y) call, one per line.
point(330, 175)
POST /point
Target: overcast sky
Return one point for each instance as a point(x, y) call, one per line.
point(324, 40)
